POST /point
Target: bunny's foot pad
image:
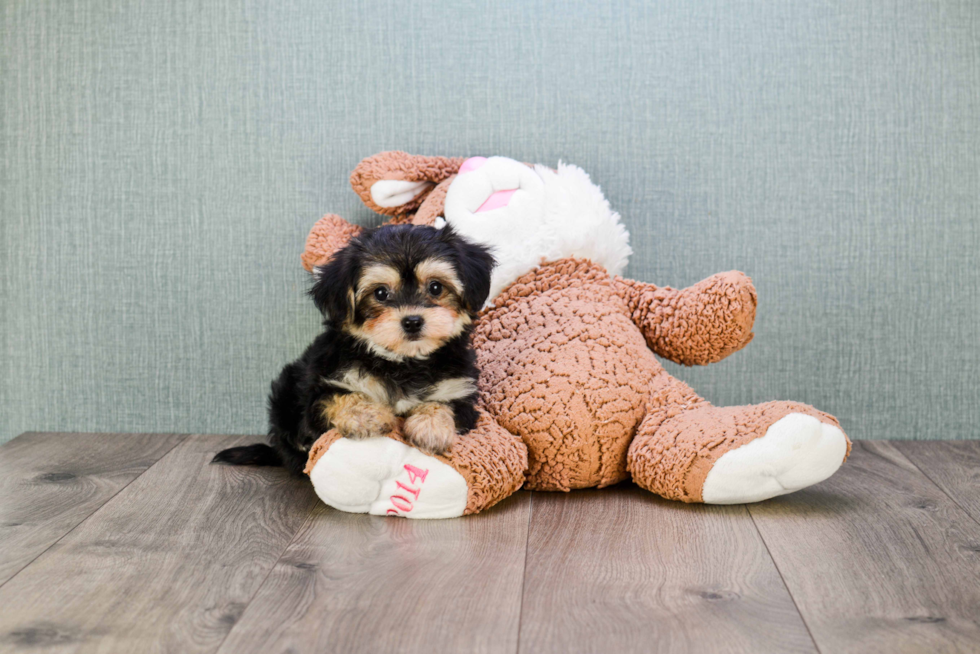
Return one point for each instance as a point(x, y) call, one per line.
point(384, 476)
point(736, 455)
point(797, 451)
point(387, 476)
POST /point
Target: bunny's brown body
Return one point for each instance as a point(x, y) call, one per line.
point(566, 351)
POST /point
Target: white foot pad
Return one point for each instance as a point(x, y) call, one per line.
point(797, 451)
point(382, 476)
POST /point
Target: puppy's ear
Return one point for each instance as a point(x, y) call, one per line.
point(475, 265)
point(333, 288)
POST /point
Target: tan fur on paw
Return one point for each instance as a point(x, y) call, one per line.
point(355, 416)
point(431, 427)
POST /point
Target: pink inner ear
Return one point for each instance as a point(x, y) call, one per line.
point(472, 164)
point(496, 200)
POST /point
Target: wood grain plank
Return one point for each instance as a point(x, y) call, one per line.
point(878, 558)
point(621, 570)
point(167, 565)
point(356, 583)
point(50, 482)
point(954, 466)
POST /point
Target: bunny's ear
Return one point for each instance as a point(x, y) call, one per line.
point(396, 183)
point(329, 234)
point(433, 206)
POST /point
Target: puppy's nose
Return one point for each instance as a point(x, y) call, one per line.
point(412, 324)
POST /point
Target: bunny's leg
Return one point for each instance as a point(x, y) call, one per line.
point(387, 476)
point(695, 452)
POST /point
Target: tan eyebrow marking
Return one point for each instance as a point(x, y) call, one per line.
point(438, 269)
point(377, 275)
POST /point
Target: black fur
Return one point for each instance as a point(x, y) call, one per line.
point(294, 421)
point(259, 454)
point(401, 246)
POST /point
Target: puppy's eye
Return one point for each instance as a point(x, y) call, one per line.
point(381, 294)
point(435, 288)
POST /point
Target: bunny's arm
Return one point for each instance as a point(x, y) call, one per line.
point(697, 325)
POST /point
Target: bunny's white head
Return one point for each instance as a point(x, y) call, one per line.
point(532, 215)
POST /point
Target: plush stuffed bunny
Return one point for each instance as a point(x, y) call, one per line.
point(571, 392)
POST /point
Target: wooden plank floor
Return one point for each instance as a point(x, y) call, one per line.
point(134, 543)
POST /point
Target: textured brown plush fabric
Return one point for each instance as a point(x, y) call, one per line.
point(400, 166)
point(332, 232)
point(562, 365)
point(320, 448)
point(434, 203)
point(674, 451)
point(328, 235)
point(697, 325)
point(489, 458)
point(567, 364)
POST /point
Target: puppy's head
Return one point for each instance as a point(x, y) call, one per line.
point(404, 290)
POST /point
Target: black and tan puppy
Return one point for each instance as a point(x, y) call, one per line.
point(398, 304)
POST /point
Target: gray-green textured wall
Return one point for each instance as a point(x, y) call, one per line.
point(163, 160)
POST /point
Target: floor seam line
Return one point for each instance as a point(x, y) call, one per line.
point(527, 545)
point(267, 575)
point(938, 487)
point(183, 438)
point(782, 578)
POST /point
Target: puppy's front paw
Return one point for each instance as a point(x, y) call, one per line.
point(358, 417)
point(431, 427)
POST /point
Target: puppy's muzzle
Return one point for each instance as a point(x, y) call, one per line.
point(413, 325)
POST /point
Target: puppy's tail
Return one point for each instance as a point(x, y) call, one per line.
point(259, 454)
